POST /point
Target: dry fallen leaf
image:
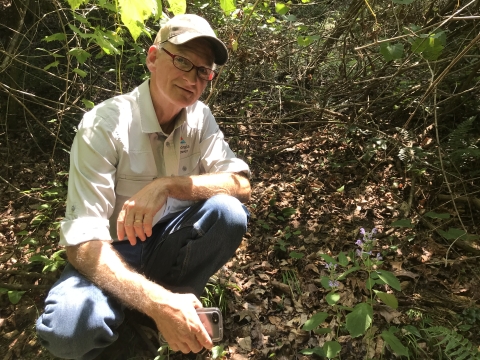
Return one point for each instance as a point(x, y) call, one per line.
point(245, 343)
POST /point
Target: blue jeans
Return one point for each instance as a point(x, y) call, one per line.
point(80, 320)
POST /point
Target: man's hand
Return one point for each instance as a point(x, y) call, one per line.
point(180, 325)
point(136, 217)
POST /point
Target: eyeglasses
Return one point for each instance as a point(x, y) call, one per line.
point(186, 65)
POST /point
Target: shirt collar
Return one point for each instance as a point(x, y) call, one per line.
point(148, 118)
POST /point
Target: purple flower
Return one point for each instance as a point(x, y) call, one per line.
point(374, 231)
point(379, 257)
point(362, 231)
point(330, 266)
point(359, 243)
point(333, 283)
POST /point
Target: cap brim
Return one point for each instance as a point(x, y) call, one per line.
point(219, 49)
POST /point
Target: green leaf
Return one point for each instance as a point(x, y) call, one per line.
point(218, 352)
point(80, 54)
point(412, 330)
point(388, 299)
point(434, 215)
point(331, 348)
point(325, 282)
point(369, 283)
point(88, 104)
point(307, 40)
point(430, 46)
point(134, 13)
point(322, 331)
point(344, 275)
point(391, 52)
point(328, 259)
point(341, 189)
point(281, 8)
point(389, 279)
point(360, 319)
point(38, 257)
point(53, 64)
point(454, 233)
point(342, 259)
point(288, 211)
point(395, 344)
point(177, 6)
point(403, 2)
point(15, 296)
point(332, 298)
point(403, 223)
point(314, 321)
point(75, 4)
point(227, 6)
point(81, 18)
point(80, 72)
point(316, 350)
point(55, 37)
point(296, 255)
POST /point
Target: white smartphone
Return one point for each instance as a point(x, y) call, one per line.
point(212, 321)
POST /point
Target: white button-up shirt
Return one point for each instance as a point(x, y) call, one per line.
point(112, 158)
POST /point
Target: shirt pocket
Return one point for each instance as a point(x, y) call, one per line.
point(130, 185)
point(189, 165)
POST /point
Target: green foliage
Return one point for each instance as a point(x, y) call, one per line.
point(397, 347)
point(462, 145)
point(360, 319)
point(453, 344)
point(391, 52)
point(52, 263)
point(219, 352)
point(215, 294)
point(13, 295)
point(290, 278)
point(430, 46)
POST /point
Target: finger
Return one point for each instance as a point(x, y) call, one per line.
point(184, 348)
point(129, 220)
point(148, 224)
point(138, 227)
point(120, 227)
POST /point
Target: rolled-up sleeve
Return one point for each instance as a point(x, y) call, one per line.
point(216, 153)
point(91, 183)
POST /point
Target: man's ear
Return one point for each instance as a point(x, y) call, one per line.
point(151, 57)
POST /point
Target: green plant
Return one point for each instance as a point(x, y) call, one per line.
point(290, 278)
point(452, 344)
point(359, 318)
point(215, 293)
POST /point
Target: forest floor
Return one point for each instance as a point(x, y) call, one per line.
point(312, 193)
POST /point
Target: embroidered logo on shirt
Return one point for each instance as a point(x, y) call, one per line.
point(183, 146)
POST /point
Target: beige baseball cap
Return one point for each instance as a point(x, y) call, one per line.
point(183, 28)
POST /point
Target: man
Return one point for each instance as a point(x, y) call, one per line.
point(151, 165)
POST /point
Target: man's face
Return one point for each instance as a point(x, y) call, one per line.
point(171, 86)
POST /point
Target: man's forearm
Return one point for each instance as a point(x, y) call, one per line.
point(203, 187)
point(101, 264)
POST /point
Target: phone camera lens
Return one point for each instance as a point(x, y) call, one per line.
point(215, 318)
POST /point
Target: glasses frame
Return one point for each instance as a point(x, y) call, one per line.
point(173, 56)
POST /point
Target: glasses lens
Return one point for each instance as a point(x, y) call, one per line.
point(182, 63)
point(206, 74)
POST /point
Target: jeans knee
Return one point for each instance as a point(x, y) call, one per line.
point(230, 210)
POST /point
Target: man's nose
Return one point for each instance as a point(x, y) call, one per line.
point(191, 76)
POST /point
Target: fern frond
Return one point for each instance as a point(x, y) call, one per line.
point(459, 137)
point(455, 345)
